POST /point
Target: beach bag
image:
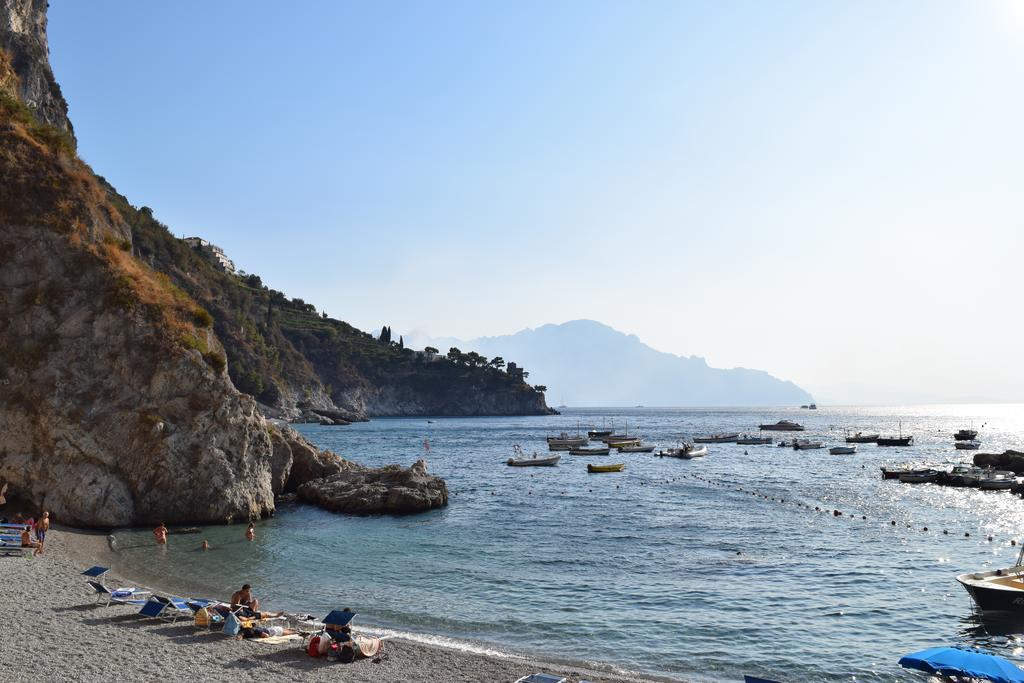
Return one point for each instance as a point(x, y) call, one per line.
point(347, 654)
point(232, 626)
point(202, 618)
point(318, 645)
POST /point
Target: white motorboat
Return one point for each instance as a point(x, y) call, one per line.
point(919, 476)
point(520, 459)
point(997, 482)
point(806, 445)
point(635, 449)
point(781, 426)
point(843, 450)
point(967, 445)
point(999, 590)
point(565, 439)
point(589, 451)
point(686, 452)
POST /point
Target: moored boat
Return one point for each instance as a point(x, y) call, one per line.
point(717, 438)
point(640, 448)
point(782, 426)
point(616, 467)
point(967, 445)
point(522, 461)
point(893, 472)
point(577, 450)
point(919, 476)
point(966, 435)
point(997, 482)
point(999, 590)
point(564, 439)
point(686, 452)
point(861, 437)
point(895, 440)
point(842, 450)
point(749, 440)
point(806, 445)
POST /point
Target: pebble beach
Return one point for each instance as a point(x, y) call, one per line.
point(53, 630)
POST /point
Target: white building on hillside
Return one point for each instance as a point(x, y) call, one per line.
point(223, 262)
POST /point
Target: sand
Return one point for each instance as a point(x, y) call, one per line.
point(50, 629)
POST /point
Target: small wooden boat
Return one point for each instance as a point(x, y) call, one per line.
point(565, 439)
point(895, 440)
point(589, 451)
point(748, 440)
point(919, 476)
point(842, 450)
point(623, 442)
point(998, 482)
point(861, 437)
point(806, 445)
point(635, 449)
point(522, 461)
point(782, 426)
point(595, 469)
point(967, 445)
point(717, 438)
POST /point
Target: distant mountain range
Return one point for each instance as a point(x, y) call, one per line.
point(587, 363)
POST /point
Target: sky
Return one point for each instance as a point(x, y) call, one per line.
point(829, 191)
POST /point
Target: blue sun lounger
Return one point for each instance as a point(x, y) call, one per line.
point(542, 678)
point(121, 596)
point(165, 609)
point(96, 571)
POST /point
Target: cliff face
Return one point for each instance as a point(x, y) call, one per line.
point(116, 407)
point(23, 38)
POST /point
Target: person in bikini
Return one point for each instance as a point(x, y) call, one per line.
point(27, 542)
point(160, 533)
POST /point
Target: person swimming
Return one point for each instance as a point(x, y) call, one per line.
point(160, 533)
point(205, 545)
point(250, 533)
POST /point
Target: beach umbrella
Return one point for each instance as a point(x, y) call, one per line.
point(339, 617)
point(954, 661)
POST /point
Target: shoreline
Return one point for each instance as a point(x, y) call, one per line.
point(47, 595)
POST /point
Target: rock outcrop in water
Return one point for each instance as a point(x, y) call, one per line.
point(363, 490)
point(1007, 460)
point(116, 406)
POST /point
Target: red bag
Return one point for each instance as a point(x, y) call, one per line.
point(318, 645)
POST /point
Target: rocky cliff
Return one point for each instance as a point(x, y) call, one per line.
point(116, 406)
point(23, 41)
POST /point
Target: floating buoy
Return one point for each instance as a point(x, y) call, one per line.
point(893, 522)
point(924, 529)
point(816, 508)
point(945, 531)
point(837, 513)
point(966, 535)
point(863, 516)
point(989, 538)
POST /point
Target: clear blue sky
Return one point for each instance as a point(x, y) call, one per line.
point(830, 191)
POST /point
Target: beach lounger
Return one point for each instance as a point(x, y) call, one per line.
point(542, 678)
point(121, 596)
point(165, 609)
point(11, 548)
point(96, 571)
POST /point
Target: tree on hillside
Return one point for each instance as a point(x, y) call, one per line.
point(497, 362)
point(454, 355)
point(401, 342)
point(430, 351)
point(385, 335)
point(541, 388)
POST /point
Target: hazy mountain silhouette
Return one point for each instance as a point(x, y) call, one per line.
point(587, 363)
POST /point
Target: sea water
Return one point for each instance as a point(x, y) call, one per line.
point(690, 569)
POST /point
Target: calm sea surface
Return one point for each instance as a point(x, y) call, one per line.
point(671, 567)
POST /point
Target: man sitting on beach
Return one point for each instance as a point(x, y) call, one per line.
point(250, 605)
point(27, 542)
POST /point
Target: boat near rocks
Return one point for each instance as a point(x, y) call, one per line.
point(520, 459)
point(967, 445)
point(997, 482)
point(919, 476)
point(861, 437)
point(781, 426)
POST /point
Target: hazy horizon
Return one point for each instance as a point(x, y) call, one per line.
point(827, 192)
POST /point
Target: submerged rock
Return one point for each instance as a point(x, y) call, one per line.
point(389, 489)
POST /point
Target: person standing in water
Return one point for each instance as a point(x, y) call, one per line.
point(42, 526)
point(250, 533)
point(205, 545)
point(160, 533)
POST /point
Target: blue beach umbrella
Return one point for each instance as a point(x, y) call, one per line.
point(339, 617)
point(954, 661)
